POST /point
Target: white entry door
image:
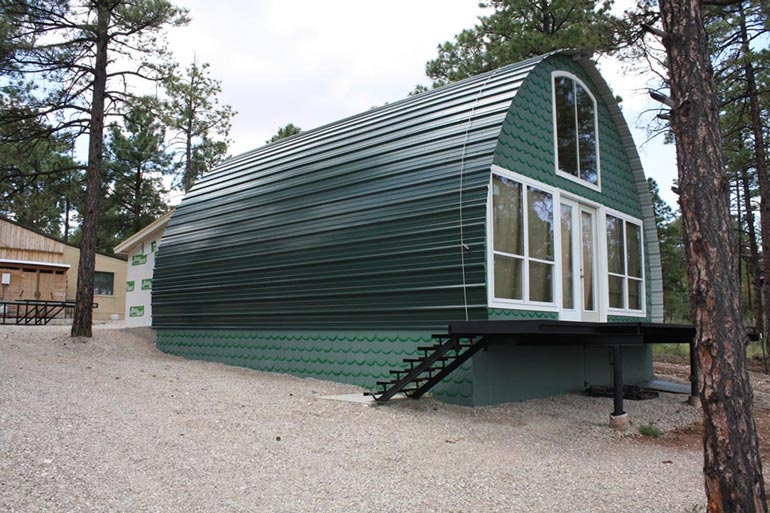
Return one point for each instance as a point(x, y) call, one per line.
point(580, 299)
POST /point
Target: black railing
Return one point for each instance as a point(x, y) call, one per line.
point(33, 311)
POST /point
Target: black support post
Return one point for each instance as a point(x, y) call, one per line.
point(617, 380)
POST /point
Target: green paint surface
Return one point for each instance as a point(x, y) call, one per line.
point(136, 311)
point(129, 286)
point(509, 373)
point(501, 314)
point(147, 284)
point(139, 259)
point(359, 359)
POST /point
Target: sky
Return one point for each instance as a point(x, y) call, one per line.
point(310, 63)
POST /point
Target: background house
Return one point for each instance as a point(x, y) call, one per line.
point(140, 249)
point(33, 263)
point(44, 268)
point(516, 195)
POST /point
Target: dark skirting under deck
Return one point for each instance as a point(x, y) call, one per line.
point(613, 335)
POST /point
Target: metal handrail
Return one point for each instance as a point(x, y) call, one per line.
point(34, 311)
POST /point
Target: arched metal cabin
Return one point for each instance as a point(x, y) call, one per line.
point(334, 254)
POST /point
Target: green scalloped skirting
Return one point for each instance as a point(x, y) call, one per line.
point(358, 359)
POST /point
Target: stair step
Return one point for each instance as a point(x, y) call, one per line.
point(420, 360)
point(447, 355)
point(403, 391)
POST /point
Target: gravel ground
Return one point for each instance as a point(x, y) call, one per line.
point(113, 425)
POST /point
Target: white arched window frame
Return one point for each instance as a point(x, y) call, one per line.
point(581, 172)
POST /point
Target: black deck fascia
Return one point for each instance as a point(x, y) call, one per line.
point(553, 332)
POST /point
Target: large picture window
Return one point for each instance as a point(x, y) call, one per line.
point(624, 264)
point(523, 242)
point(577, 144)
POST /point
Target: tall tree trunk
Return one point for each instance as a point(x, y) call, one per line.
point(83, 316)
point(759, 150)
point(756, 278)
point(67, 209)
point(136, 209)
point(739, 244)
point(188, 169)
point(732, 466)
point(188, 178)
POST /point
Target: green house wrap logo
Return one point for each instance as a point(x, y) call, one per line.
point(136, 311)
point(147, 284)
point(129, 286)
point(138, 259)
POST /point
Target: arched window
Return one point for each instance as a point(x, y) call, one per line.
point(575, 124)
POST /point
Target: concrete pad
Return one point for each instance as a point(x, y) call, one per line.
point(661, 385)
point(351, 398)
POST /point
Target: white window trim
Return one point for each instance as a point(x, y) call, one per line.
point(602, 270)
point(625, 312)
point(598, 185)
point(521, 304)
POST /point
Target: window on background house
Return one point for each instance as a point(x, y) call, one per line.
point(523, 242)
point(104, 283)
point(577, 140)
point(624, 263)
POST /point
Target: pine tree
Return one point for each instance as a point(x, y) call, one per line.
point(200, 123)
point(732, 466)
point(284, 132)
point(519, 29)
point(72, 50)
point(135, 167)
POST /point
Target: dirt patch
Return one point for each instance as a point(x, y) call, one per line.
point(691, 437)
point(757, 365)
point(673, 371)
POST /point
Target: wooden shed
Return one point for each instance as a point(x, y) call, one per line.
point(515, 195)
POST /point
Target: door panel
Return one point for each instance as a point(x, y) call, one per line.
point(588, 278)
point(29, 288)
point(569, 262)
point(580, 298)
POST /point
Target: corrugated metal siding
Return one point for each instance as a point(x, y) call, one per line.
point(354, 225)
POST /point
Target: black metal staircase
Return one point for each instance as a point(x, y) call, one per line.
point(437, 362)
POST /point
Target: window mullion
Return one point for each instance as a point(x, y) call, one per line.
point(525, 219)
point(577, 129)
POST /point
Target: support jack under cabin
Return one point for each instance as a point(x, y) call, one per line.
point(507, 214)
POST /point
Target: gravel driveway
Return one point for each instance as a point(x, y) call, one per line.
point(113, 425)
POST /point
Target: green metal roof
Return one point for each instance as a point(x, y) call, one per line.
point(375, 221)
